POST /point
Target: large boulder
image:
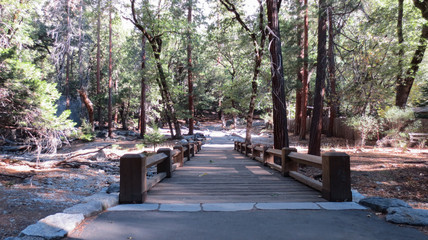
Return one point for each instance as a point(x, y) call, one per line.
point(403, 215)
point(380, 204)
point(54, 226)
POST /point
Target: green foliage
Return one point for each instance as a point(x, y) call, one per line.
point(30, 101)
point(86, 133)
point(140, 146)
point(155, 137)
point(368, 126)
point(398, 124)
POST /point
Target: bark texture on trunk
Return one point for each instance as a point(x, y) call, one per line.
point(331, 74)
point(316, 124)
point(143, 89)
point(189, 68)
point(258, 56)
point(277, 75)
point(99, 116)
point(88, 104)
point(110, 79)
point(305, 77)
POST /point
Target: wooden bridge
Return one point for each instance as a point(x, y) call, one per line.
point(221, 175)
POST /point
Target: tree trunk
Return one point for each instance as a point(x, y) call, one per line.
point(156, 44)
point(305, 77)
point(189, 68)
point(277, 77)
point(300, 57)
point(331, 73)
point(67, 67)
point(88, 104)
point(67, 82)
point(258, 50)
point(316, 125)
point(99, 116)
point(405, 86)
point(110, 72)
point(258, 55)
point(143, 89)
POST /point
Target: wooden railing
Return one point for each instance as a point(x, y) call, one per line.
point(335, 166)
point(133, 170)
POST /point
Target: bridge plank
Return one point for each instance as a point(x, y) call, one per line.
point(224, 175)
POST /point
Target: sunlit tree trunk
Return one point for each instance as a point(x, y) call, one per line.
point(143, 89)
point(331, 74)
point(189, 68)
point(277, 75)
point(110, 72)
point(99, 115)
point(314, 147)
point(305, 76)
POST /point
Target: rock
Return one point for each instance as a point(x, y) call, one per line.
point(113, 188)
point(106, 200)
point(356, 196)
point(53, 227)
point(403, 215)
point(229, 123)
point(183, 142)
point(101, 134)
point(87, 209)
point(380, 204)
point(100, 156)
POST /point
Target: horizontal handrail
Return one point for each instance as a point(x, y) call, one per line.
point(306, 159)
point(155, 159)
point(335, 166)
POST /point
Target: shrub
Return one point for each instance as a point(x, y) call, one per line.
point(155, 137)
point(368, 126)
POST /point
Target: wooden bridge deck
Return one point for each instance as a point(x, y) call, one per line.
point(222, 175)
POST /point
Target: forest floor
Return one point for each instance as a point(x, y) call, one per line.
point(29, 193)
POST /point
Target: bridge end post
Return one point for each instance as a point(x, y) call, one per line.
point(133, 180)
point(166, 165)
point(336, 177)
point(286, 163)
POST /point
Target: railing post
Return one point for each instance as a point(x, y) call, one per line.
point(187, 152)
point(267, 157)
point(193, 149)
point(253, 150)
point(181, 154)
point(199, 145)
point(286, 163)
point(165, 165)
point(242, 147)
point(234, 146)
point(246, 149)
point(133, 179)
point(264, 155)
point(336, 177)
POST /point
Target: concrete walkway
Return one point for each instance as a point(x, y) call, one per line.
point(266, 224)
point(254, 218)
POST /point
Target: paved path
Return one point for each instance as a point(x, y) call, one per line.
point(220, 194)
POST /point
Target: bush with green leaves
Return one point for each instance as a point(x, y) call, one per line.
point(86, 133)
point(399, 123)
point(155, 137)
point(29, 102)
point(368, 126)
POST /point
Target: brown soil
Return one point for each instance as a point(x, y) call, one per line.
point(28, 194)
